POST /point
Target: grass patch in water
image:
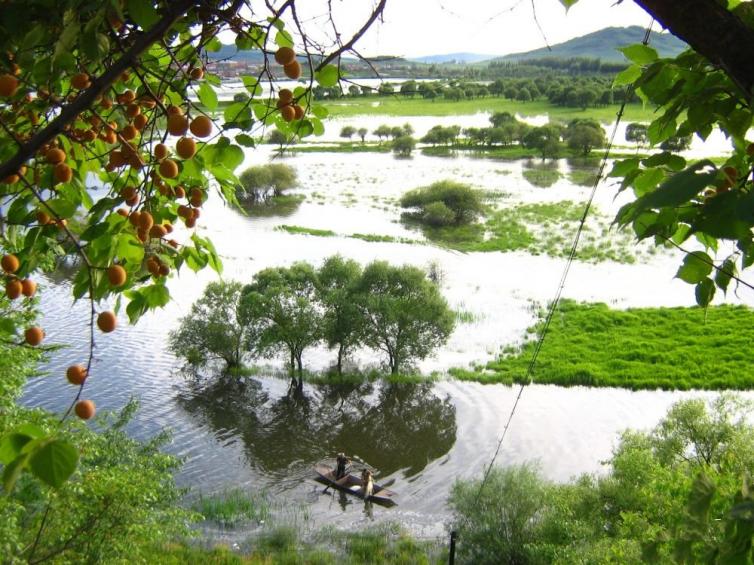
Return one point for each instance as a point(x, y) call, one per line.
point(343, 147)
point(233, 507)
point(382, 544)
point(305, 231)
point(638, 348)
point(466, 317)
point(582, 177)
point(542, 177)
point(540, 229)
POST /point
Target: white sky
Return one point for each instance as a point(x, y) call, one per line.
point(414, 28)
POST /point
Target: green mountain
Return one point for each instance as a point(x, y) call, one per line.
point(603, 45)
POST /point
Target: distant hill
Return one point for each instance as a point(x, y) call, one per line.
point(603, 45)
point(452, 58)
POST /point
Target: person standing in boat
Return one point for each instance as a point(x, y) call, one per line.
point(342, 464)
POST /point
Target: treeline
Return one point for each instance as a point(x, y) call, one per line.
point(581, 135)
point(396, 310)
point(576, 92)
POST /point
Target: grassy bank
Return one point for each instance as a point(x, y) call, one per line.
point(401, 106)
point(384, 544)
point(638, 348)
point(369, 237)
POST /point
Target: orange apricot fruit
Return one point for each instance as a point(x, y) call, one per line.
point(80, 81)
point(298, 112)
point(28, 288)
point(177, 124)
point(160, 151)
point(8, 85)
point(62, 173)
point(201, 126)
point(288, 113)
point(285, 56)
point(186, 148)
point(85, 409)
point(55, 156)
point(10, 263)
point(13, 289)
point(116, 274)
point(76, 374)
point(34, 335)
point(285, 96)
point(106, 321)
point(169, 169)
point(293, 70)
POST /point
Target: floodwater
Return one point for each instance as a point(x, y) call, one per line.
point(253, 434)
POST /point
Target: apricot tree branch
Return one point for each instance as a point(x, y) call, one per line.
point(98, 86)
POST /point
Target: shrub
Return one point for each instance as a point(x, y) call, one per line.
point(458, 203)
point(261, 182)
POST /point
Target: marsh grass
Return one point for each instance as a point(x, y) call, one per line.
point(542, 177)
point(385, 543)
point(638, 348)
point(233, 507)
point(300, 230)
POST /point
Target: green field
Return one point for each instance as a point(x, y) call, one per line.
point(638, 348)
point(400, 106)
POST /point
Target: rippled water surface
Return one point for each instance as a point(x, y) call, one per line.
point(420, 438)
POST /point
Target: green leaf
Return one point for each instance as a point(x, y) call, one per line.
point(723, 276)
point(283, 38)
point(143, 13)
point(696, 267)
point(648, 180)
point(704, 292)
point(13, 470)
point(320, 111)
point(678, 189)
point(54, 462)
point(640, 54)
point(627, 76)
point(622, 168)
point(661, 129)
point(213, 45)
point(207, 96)
point(156, 295)
point(245, 140)
point(11, 446)
point(568, 3)
point(252, 85)
point(327, 76)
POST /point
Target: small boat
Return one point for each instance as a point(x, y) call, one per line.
point(352, 484)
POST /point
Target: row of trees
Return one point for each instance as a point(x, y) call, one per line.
point(286, 310)
point(575, 92)
point(580, 135)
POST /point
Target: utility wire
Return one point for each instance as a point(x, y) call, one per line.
point(561, 286)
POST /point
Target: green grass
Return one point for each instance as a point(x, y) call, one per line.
point(233, 507)
point(282, 545)
point(466, 317)
point(343, 147)
point(399, 106)
point(582, 177)
point(638, 348)
point(306, 231)
point(539, 229)
point(543, 177)
point(512, 152)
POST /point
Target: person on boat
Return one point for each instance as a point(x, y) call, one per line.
point(342, 464)
point(367, 484)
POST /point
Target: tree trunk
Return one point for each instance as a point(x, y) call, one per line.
point(711, 30)
point(341, 350)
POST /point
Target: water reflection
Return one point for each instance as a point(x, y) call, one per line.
point(392, 427)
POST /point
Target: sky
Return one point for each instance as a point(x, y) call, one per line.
point(413, 28)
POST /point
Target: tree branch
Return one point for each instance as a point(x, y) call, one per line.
point(713, 31)
point(99, 85)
